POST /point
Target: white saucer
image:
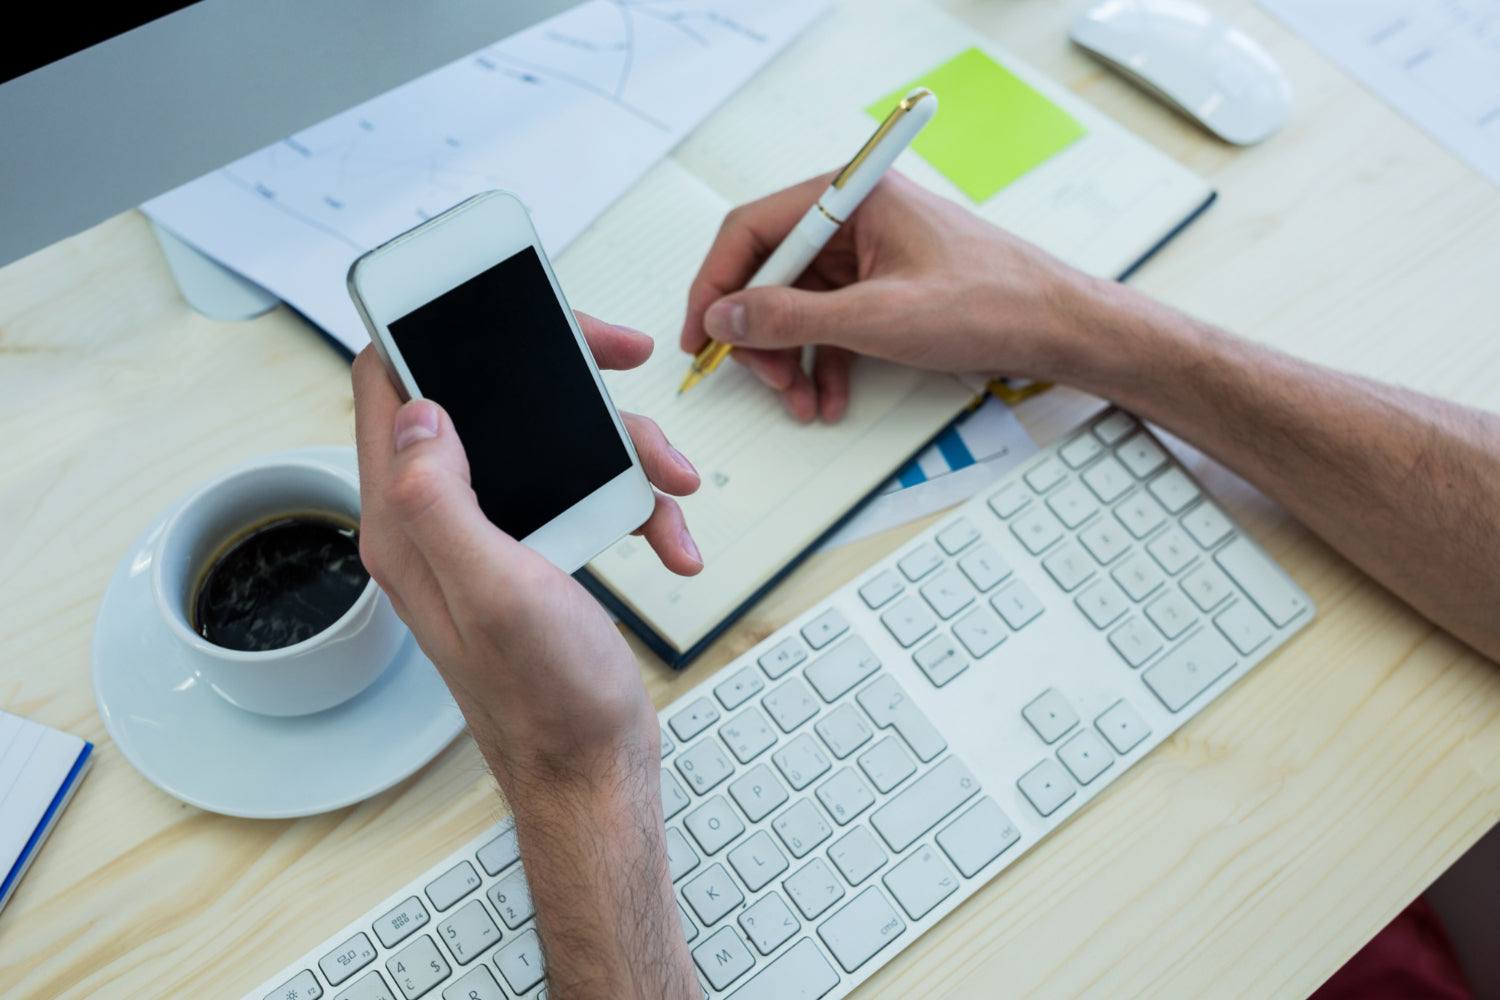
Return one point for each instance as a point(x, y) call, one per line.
point(194, 745)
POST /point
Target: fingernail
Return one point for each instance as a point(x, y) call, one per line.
point(725, 321)
point(416, 421)
point(691, 546)
point(682, 461)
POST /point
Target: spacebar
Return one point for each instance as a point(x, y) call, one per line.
point(801, 974)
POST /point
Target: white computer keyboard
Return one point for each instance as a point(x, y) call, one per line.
point(857, 775)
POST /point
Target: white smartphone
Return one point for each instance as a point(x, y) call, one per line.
point(465, 310)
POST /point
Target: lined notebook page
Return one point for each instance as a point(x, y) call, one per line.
point(771, 486)
point(35, 764)
point(1099, 204)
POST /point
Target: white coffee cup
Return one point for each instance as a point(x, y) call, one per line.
point(319, 672)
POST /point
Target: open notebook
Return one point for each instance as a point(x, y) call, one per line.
point(771, 487)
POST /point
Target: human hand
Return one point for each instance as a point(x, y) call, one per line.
point(547, 683)
point(910, 277)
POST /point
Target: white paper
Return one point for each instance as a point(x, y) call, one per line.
point(34, 763)
point(1435, 61)
point(567, 115)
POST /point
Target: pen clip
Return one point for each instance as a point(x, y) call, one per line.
point(906, 104)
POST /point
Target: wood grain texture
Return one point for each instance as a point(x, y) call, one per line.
point(1247, 857)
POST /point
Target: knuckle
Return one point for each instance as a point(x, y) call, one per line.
point(414, 489)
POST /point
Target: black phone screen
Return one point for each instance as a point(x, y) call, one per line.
point(497, 353)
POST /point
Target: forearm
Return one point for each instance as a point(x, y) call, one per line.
point(1405, 486)
point(594, 852)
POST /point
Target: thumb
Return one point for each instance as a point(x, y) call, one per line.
point(774, 316)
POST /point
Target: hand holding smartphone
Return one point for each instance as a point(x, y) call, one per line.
point(466, 311)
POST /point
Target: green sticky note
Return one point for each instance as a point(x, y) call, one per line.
point(990, 127)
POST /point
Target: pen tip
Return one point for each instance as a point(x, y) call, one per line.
point(691, 380)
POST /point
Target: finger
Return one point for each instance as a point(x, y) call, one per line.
point(782, 371)
point(667, 533)
point(666, 467)
point(614, 347)
point(831, 373)
point(375, 404)
point(776, 316)
point(745, 239)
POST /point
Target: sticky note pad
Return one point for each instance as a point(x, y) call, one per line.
point(990, 127)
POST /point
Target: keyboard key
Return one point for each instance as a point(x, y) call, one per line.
point(1050, 715)
point(418, 967)
point(748, 735)
point(704, 765)
point(758, 793)
point(1080, 451)
point(681, 858)
point(814, 888)
point(908, 620)
point(394, 927)
point(667, 746)
point(921, 882)
point(1115, 426)
point(1244, 626)
point(957, 536)
point(1102, 602)
point(782, 657)
point(712, 894)
point(1138, 577)
point(1108, 479)
point(790, 705)
point(887, 764)
point(1037, 529)
point(1172, 551)
point(1047, 787)
point(924, 803)
point(1073, 504)
point(880, 588)
point(1068, 566)
point(1123, 726)
point(1011, 498)
point(863, 927)
point(978, 837)
point(768, 923)
point(303, 986)
point(984, 567)
point(713, 825)
point(845, 796)
point(453, 885)
point(1207, 524)
point(1140, 514)
point(757, 861)
point(940, 660)
point(837, 671)
point(1141, 455)
point(689, 929)
point(1207, 586)
point(1085, 756)
point(347, 959)
point(673, 799)
point(857, 855)
point(477, 984)
point(1187, 671)
point(1174, 489)
point(844, 731)
point(1172, 613)
point(511, 898)
point(1136, 641)
point(802, 973)
point(825, 628)
point(468, 932)
point(520, 962)
point(801, 828)
point(1045, 474)
point(741, 686)
point(1262, 581)
point(723, 958)
point(919, 562)
point(887, 704)
point(801, 762)
point(500, 853)
point(692, 720)
point(948, 594)
point(1017, 605)
point(980, 631)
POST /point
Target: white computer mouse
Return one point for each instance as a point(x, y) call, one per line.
point(1194, 60)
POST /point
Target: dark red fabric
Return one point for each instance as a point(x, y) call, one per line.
point(1411, 959)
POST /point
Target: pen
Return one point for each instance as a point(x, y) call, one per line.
point(843, 196)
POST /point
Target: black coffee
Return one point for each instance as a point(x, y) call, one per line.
point(279, 582)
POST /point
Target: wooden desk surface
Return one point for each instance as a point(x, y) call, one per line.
point(1249, 856)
